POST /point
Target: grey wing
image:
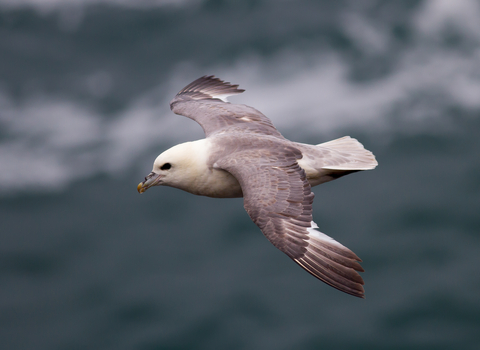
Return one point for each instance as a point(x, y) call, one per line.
point(278, 198)
point(202, 101)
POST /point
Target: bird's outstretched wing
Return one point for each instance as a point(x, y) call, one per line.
point(278, 198)
point(203, 101)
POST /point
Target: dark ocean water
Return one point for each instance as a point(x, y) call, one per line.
point(87, 263)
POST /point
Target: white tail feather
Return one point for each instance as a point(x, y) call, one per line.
point(358, 158)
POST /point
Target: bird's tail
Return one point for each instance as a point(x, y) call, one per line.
point(352, 152)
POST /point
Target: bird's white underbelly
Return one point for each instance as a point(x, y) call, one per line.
point(218, 184)
point(313, 174)
point(205, 180)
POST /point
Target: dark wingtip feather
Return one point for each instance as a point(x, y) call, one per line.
point(209, 86)
point(327, 273)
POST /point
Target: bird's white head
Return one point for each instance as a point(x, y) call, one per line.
point(176, 167)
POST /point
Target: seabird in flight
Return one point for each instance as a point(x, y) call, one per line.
point(244, 155)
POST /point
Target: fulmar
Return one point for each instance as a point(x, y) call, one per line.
point(244, 155)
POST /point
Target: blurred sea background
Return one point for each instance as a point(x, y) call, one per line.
point(88, 263)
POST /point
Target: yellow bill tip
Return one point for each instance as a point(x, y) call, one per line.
point(140, 188)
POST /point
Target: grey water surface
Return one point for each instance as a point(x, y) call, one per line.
point(88, 263)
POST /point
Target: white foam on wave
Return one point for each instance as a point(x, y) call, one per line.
point(46, 145)
point(48, 142)
point(437, 16)
point(320, 93)
point(51, 142)
point(324, 98)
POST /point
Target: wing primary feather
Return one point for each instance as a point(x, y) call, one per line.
point(352, 289)
point(208, 87)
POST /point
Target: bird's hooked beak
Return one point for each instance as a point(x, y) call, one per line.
point(152, 179)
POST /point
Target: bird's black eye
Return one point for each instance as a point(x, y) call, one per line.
point(166, 166)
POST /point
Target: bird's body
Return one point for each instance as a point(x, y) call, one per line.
point(243, 155)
